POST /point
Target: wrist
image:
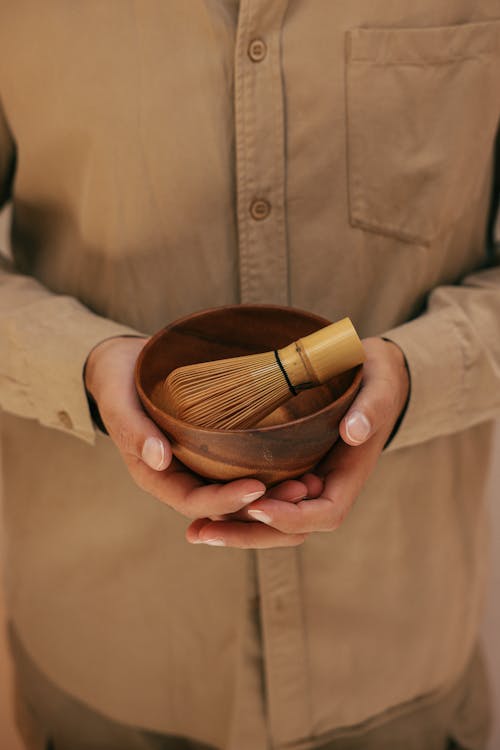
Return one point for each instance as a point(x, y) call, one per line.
point(101, 352)
point(106, 350)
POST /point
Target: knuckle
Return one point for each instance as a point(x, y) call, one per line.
point(296, 540)
point(125, 439)
point(119, 428)
point(385, 409)
point(330, 526)
point(215, 499)
point(338, 523)
point(122, 438)
point(387, 396)
point(196, 502)
point(110, 415)
point(298, 524)
point(289, 527)
point(242, 540)
point(182, 506)
point(336, 518)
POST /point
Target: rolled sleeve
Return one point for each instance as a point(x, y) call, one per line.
point(453, 356)
point(43, 349)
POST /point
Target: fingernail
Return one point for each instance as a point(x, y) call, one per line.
point(216, 542)
point(357, 427)
point(259, 515)
point(289, 498)
point(153, 453)
point(252, 496)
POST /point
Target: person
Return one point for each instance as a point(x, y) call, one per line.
point(163, 158)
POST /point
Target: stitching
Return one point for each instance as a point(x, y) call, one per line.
point(428, 62)
point(249, 145)
point(348, 161)
point(279, 179)
point(390, 231)
point(241, 177)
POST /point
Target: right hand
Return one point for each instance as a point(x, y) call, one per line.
point(109, 377)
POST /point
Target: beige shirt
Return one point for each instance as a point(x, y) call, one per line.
point(178, 155)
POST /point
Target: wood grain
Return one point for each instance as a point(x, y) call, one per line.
point(291, 441)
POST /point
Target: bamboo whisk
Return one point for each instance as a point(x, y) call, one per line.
point(238, 392)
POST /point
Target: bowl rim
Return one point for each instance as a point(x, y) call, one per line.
point(356, 381)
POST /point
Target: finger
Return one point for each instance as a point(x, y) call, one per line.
point(290, 491)
point(113, 388)
point(296, 518)
point(370, 411)
point(313, 483)
point(134, 434)
point(241, 535)
point(345, 474)
point(221, 499)
point(188, 494)
point(146, 450)
point(381, 397)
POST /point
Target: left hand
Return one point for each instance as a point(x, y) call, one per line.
point(337, 481)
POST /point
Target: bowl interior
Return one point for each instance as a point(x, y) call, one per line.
point(231, 332)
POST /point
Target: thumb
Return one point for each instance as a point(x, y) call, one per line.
point(112, 387)
point(134, 434)
point(382, 397)
point(356, 427)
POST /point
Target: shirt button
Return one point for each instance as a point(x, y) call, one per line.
point(257, 50)
point(260, 209)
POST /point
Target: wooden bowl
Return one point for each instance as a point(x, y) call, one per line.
point(288, 442)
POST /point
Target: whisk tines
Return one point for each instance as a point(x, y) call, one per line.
point(216, 394)
point(238, 392)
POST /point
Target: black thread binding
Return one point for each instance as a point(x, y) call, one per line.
point(292, 389)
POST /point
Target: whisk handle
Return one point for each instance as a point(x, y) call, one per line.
point(317, 358)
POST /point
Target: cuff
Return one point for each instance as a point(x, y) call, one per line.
point(46, 347)
point(433, 350)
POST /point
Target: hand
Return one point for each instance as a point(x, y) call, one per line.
point(338, 480)
point(109, 377)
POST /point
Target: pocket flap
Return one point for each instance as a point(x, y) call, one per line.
point(423, 45)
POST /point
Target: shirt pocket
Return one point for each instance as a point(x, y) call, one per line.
point(422, 110)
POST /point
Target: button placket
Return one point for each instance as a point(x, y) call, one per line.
point(260, 153)
point(260, 183)
point(285, 657)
